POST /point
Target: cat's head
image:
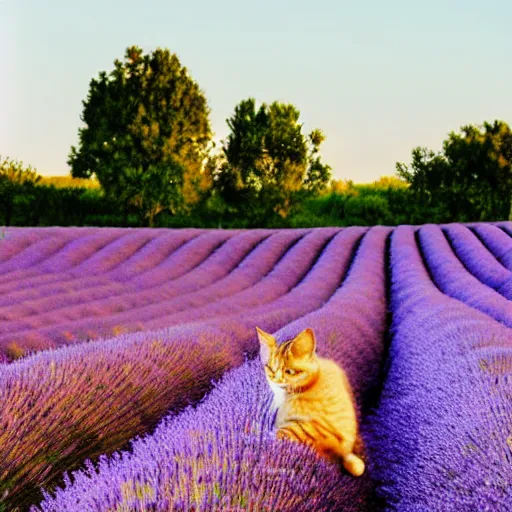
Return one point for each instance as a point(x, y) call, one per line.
point(293, 365)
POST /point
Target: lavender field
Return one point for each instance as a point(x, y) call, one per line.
point(129, 376)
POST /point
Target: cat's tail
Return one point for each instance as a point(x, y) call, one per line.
point(353, 464)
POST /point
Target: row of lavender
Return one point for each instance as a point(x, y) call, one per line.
point(123, 364)
point(223, 454)
point(191, 276)
point(99, 395)
point(135, 280)
point(445, 358)
point(417, 467)
point(441, 438)
point(56, 290)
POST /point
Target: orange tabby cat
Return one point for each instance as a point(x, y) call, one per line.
point(313, 397)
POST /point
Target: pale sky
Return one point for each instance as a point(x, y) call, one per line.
point(378, 77)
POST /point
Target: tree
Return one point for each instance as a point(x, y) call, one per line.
point(146, 133)
point(268, 164)
point(16, 185)
point(471, 179)
point(481, 162)
point(428, 177)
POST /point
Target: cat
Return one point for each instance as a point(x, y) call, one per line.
point(314, 400)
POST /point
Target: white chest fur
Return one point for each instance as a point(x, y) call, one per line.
point(279, 394)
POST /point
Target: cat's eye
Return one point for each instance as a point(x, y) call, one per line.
point(291, 371)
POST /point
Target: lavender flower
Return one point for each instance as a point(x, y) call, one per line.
point(497, 241)
point(52, 290)
point(118, 297)
point(440, 438)
point(223, 455)
point(109, 391)
point(477, 258)
point(435, 417)
point(453, 279)
point(16, 241)
point(35, 253)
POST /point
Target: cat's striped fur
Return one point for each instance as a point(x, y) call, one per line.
point(314, 398)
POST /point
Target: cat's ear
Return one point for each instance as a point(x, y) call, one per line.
point(304, 344)
point(267, 344)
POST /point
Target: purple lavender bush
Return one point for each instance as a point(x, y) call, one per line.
point(35, 253)
point(180, 283)
point(454, 280)
point(87, 243)
point(78, 269)
point(506, 226)
point(436, 428)
point(102, 302)
point(223, 455)
point(477, 258)
point(14, 240)
point(60, 407)
point(81, 285)
point(497, 241)
point(91, 238)
point(440, 438)
point(177, 264)
point(267, 294)
point(56, 269)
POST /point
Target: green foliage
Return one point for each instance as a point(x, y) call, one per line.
point(146, 133)
point(367, 210)
point(12, 171)
point(69, 182)
point(471, 179)
point(258, 183)
point(16, 186)
point(268, 163)
point(388, 201)
point(26, 201)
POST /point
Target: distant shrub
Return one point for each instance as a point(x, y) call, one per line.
point(70, 182)
point(367, 210)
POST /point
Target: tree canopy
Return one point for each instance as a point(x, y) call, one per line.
point(146, 133)
point(268, 163)
point(471, 178)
